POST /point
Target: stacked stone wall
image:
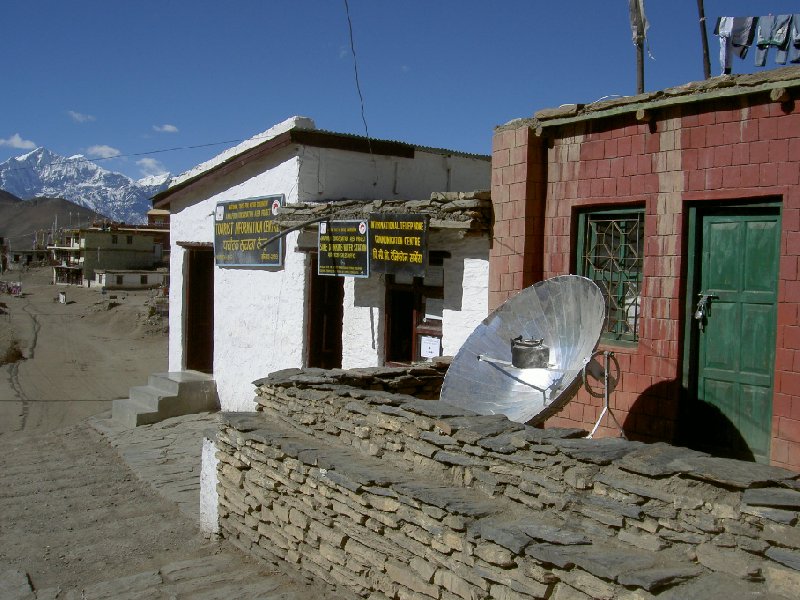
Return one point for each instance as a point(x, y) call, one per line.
point(394, 496)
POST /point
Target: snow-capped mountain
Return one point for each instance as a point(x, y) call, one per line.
point(44, 173)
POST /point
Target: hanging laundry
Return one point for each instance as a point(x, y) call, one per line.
point(735, 37)
point(724, 30)
point(794, 35)
point(772, 31)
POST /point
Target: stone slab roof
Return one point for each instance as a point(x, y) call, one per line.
point(778, 83)
point(465, 211)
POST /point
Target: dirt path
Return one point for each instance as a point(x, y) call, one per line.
point(79, 356)
point(72, 513)
point(81, 518)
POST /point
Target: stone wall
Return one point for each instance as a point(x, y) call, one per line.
point(363, 485)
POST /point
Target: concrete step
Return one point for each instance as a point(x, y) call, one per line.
point(166, 395)
point(149, 395)
point(172, 382)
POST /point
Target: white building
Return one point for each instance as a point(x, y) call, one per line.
point(242, 322)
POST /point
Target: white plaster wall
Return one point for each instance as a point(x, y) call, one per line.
point(209, 499)
point(466, 284)
point(472, 283)
point(258, 313)
point(258, 324)
point(327, 174)
point(175, 353)
point(362, 322)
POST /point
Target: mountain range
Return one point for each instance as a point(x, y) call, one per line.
point(42, 173)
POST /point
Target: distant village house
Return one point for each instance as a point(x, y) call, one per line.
point(79, 254)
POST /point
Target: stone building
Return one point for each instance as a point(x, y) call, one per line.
point(240, 317)
point(77, 254)
point(684, 206)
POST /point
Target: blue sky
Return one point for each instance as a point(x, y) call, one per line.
point(164, 85)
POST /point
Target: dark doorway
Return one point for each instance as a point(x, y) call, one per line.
point(325, 312)
point(401, 310)
point(200, 309)
point(413, 320)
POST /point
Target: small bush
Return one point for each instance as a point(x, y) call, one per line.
point(12, 354)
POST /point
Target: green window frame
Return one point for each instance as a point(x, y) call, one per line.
point(610, 253)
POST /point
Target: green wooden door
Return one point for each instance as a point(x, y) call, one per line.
point(736, 333)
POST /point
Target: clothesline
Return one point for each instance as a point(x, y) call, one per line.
point(738, 34)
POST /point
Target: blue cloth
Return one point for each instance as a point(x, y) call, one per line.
point(773, 31)
point(794, 33)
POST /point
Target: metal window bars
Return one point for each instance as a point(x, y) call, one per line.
point(613, 250)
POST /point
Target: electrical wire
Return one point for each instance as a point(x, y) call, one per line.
point(358, 89)
point(355, 68)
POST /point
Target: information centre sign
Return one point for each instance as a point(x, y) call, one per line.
point(241, 231)
point(386, 243)
point(398, 243)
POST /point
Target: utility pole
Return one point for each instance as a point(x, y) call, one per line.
point(639, 27)
point(704, 39)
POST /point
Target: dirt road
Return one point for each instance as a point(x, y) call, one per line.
point(79, 355)
point(111, 516)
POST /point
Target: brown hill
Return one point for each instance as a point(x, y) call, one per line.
point(19, 219)
point(8, 198)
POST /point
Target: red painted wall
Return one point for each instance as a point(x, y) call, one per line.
point(724, 149)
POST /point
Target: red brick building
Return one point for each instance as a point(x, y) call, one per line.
point(662, 198)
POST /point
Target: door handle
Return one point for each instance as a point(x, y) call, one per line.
point(702, 309)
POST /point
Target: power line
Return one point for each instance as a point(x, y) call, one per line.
point(358, 88)
point(355, 68)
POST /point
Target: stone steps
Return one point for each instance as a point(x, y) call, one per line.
point(166, 395)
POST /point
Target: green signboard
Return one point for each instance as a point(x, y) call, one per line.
point(343, 248)
point(241, 231)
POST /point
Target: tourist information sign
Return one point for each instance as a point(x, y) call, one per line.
point(241, 227)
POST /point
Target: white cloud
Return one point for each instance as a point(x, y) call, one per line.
point(80, 117)
point(15, 141)
point(165, 128)
point(102, 151)
point(150, 166)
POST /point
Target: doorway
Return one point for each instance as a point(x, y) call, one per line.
point(413, 321)
point(325, 313)
point(731, 323)
point(199, 309)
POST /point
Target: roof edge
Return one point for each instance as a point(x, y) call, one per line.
point(723, 86)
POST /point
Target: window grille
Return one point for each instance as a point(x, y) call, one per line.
point(611, 253)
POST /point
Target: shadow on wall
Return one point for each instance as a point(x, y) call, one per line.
point(664, 412)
